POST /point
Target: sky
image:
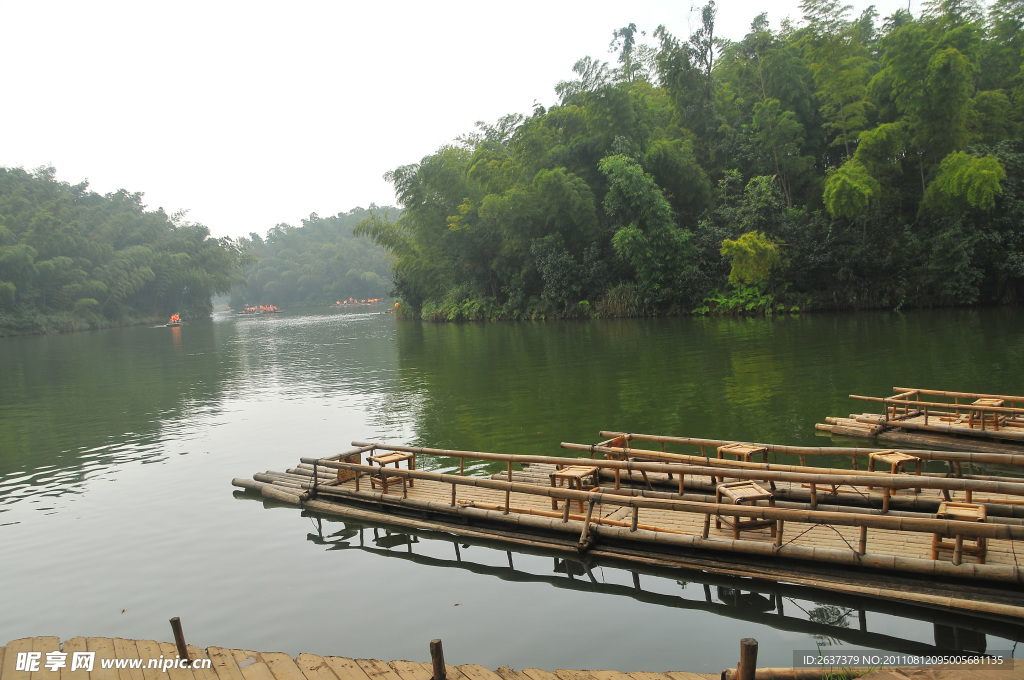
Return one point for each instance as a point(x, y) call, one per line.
point(251, 114)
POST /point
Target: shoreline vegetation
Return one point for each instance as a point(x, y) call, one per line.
point(844, 163)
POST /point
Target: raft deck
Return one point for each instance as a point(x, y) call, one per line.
point(763, 535)
point(922, 417)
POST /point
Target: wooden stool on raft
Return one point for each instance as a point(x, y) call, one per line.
point(996, 419)
point(744, 452)
point(385, 459)
point(574, 476)
point(961, 512)
point(896, 460)
point(738, 493)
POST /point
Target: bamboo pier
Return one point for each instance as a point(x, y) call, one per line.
point(970, 421)
point(872, 533)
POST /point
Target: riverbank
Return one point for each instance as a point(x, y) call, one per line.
point(63, 322)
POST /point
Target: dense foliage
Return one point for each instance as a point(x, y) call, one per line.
point(71, 258)
point(841, 163)
point(320, 262)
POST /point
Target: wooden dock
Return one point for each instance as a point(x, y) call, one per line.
point(241, 664)
point(966, 421)
point(881, 548)
point(127, 660)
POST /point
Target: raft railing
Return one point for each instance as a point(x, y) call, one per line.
point(954, 459)
point(321, 485)
point(910, 398)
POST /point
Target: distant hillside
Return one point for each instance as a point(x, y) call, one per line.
point(318, 263)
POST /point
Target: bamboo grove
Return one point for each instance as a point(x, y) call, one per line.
point(72, 259)
point(317, 263)
point(848, 161)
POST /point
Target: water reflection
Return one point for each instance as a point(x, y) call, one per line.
point(831, 619)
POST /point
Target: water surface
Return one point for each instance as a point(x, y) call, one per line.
point(117, 449)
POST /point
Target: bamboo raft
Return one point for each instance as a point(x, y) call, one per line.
point(804, 531)
point(921, 417)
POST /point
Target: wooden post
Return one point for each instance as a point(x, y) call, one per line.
point(508, 494)
point(748, 659)
point(585, 541)
point(179, 639)
point(437, 659)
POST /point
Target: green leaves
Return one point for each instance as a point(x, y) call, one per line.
point(647, 237)
point(849, 189)
point(965, 181)
point(753, 257)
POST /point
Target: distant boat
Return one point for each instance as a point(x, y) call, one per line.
point(175, 320)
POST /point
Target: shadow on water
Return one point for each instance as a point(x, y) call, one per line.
point(829, 618)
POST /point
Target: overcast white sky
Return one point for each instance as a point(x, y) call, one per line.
point(249, 114)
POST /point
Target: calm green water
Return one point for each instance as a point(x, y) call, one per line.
point(117, 449)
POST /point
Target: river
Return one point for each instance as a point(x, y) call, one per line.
point(117, 450)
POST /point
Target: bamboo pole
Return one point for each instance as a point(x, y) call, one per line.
point(921, 595)
point(274, 493)
point(728, 463)
point(970, 395)
point(179, 639)
point(437, 661)
point(847, 478)
point(916, 402)
point(813, 673)
point(747, 666)
point(972, 529)
point(685, 543)
point(772, 472)
point(574, 517)
point(1001, 433)
point(924, 454)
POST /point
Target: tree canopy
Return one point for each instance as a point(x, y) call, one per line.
point(319, 262)
point(71, 258)
point(842, 162)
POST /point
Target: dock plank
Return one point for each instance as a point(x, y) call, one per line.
point(44, 645)
point(644, 675)
point(610, 675)
point(282, 666)
point(196, 654)
point(169, 650)
point(570, 674)
point(252, 665)
point(345, 668)
point(15, 647)
point(683, 675)
point(410, 670)
point(127, 649)
point(539, 674)
point(314, 667)
point(377, 670)
point(223, 664)
point(149, 649)
point(75, 644)
point(507, 673)
point(474, 671)
point(104, 649)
